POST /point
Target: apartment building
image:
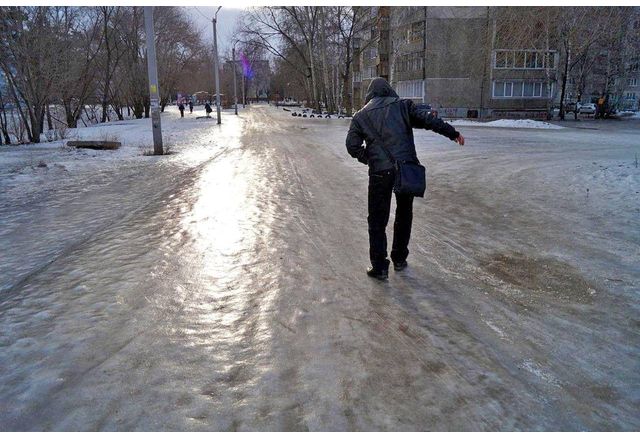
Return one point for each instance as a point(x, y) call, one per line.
point(451, 59)
point(630, 97)
point(630, 87)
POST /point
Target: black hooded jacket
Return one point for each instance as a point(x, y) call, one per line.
point(393, 119)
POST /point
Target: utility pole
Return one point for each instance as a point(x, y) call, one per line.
point(215, 57)
point(235, 93)
point(424, 58)
point(244, 97)
point(152, 70)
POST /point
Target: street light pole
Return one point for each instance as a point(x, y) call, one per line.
point(244, 97)
point(215, 56)
point(152, 70)
point(235, 93)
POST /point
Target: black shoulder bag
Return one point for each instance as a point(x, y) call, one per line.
point(411, 177)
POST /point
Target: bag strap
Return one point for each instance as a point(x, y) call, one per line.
point(377, 134)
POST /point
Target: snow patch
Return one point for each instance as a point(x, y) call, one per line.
point(508, 123)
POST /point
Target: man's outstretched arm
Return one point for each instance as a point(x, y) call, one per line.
point(423, 118)
point(354, 142)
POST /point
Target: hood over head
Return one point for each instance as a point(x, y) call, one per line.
point(379, 88)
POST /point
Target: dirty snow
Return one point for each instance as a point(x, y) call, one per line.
point(507, 123)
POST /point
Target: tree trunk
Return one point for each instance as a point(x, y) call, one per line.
point(49, 121)
point(328, 101)
point(33, 129)
point(3, 123)
point(107, 70)
point(118, 110)
point(41, 118)
point(564, 83)
point(138, 110)
point(70, 116)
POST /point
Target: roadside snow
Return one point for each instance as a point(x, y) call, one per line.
point(30, 168)
point(508, 123)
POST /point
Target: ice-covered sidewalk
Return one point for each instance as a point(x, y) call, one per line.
point(55, 196)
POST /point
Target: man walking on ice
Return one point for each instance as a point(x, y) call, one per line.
point(386, 125)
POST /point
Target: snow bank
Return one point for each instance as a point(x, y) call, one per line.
point(508, 123)
point(25, 169)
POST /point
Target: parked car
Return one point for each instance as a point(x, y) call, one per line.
point(427, 107)
point(569, 107)
point(587, 108)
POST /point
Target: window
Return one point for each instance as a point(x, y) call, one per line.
point(501, 60)
point(632, 82)
point(409, 62)
point(551, 57)
point(410, 89)
point(523, 59)
point(508, 88)
point(417, 31)
point(519, 89)
point(369, 72)
point(537, 89)
point(528, 89)
point(531, 60)
point(630, 95)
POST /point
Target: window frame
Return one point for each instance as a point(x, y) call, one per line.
point(508, 59)
point(537, 89)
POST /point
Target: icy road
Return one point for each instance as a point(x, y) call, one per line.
point(223, 287)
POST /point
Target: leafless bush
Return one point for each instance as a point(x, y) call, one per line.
point(110, 137)
point(18, 129)
point(61, 132)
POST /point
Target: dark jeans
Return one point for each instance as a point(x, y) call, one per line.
point(380, 190)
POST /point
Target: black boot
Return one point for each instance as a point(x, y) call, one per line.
point(399, 266)
point(380, 274)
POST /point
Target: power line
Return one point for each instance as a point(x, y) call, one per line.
point(201, 13)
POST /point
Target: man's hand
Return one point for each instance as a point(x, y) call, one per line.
point(459, 140)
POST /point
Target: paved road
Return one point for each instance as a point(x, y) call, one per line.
point(224, 289)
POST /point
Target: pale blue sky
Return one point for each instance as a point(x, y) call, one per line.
point(226, 23)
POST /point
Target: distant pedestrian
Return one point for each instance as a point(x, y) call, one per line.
point(190, 107)
point(386, 125)
point(181, 108)
point(208, 109)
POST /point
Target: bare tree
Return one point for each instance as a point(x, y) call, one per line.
point(79, 34)
point(4, 125)
point(28, 57)
point(177, 46)
point(288, 33)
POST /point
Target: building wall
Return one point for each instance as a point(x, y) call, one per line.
point(454, 69)
point(456, 57)
point(630, 99)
